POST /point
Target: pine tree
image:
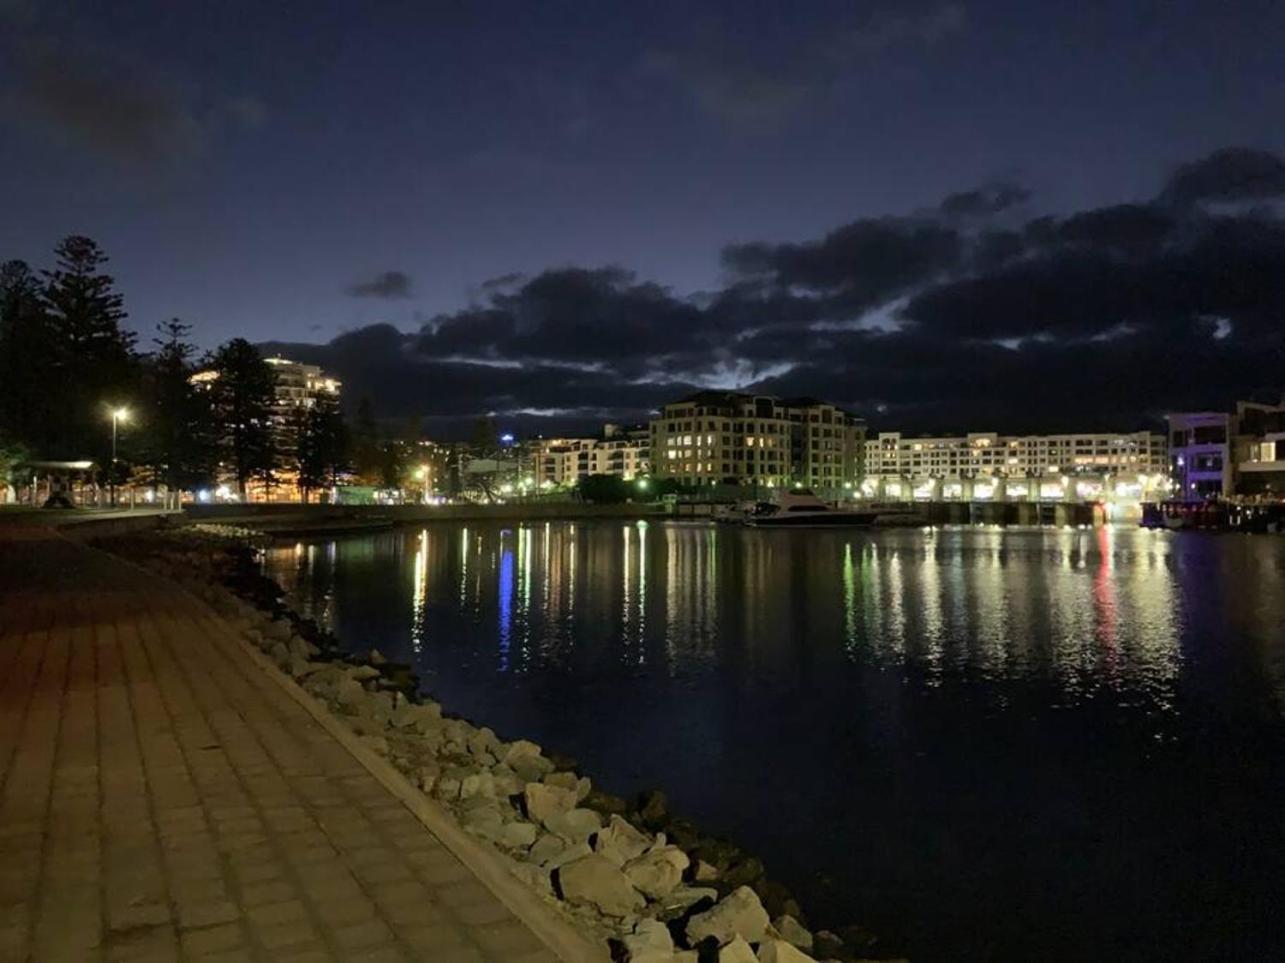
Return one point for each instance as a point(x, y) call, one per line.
point(26, 355)
point(92, 360)
point(180, 443)
point(243, 397)
point(322, 446)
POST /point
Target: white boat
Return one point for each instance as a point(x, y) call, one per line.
point(803, 509)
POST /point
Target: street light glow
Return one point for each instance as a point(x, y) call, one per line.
point(120, 414)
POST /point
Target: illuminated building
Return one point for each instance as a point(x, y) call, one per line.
point(987, 465)
point(734, 438)
point(561, 462)
point(1217, 454)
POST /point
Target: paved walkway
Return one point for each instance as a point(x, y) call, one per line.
point(161, 797)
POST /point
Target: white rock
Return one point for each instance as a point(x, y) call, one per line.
point(535, 877)
point(519, 835)
point(779, 951)
point(546, 847)
point(567, 855)
point(737, 951)
point(738, 914)
point(376, 658)
point(657, 873)
point(362, 672)
point(522, 747)
point(594, 881)
point(621, 841)
point(792, 931)
point(574, 826)
point(543, 802)
point(650, 942)
point(704, 872)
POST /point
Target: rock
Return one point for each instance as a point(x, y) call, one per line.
point(704, 872)
point(447, 787)
point(686, 956)
point(605, 802)
point(568, 854)
point(425, 777)
point(744, 872)
point(299, 648)
point(564, 780)
point(777, 899)
point(279, 654)
point(657, 873)
point(522, 747)
point(650, 942)
point(519, 835)
point(544, 801)
point(738, 914)
point(736, 951)
point(594, 881)
point(620, 841)
point(377, 744)
point(684, 898)
point(484, 821)
point(477, 784)
point(350, 695)
point(792, 931)
point(529, 768)
point(482, 742)
point(575, 826)
point(653, 809)
point(545, 848)
point(779, 951)
point(362, 672)
point(826, 944)
point(411, 716)
point(507, 782)
point(535, 877)
point(298, 667)
point(376, 658)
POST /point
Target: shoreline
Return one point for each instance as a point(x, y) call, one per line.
point(633, 876)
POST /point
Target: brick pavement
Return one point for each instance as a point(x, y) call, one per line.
point(162, 798)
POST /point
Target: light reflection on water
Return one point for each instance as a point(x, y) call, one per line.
point(1099, 698)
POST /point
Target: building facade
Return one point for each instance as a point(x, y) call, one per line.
point(1216, 454)
point(983, 465)
point(727, 437)
point(561, 462)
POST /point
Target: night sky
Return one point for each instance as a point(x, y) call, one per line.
point(952, 216)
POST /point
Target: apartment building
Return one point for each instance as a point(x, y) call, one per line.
point(1215, 454)
point(730, 437)
point(624, 451)
point(983, 454)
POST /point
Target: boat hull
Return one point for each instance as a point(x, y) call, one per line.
point(819, 520)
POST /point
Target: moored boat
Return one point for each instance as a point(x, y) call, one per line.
point(803, 509)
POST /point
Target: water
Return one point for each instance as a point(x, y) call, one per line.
point(984, 744)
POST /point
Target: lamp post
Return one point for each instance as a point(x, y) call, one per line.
point(118, 415)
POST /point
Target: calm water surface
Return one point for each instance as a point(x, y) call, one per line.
point(985, 744)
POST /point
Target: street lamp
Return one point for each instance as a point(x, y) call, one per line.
point(119, 415)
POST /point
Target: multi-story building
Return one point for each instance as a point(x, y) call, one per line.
point(1216, 454)
point(561, 462)
point(730, 437)
point(988, 464)
point(298, 387)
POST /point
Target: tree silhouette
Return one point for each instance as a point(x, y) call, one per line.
point(321, 445)
point(27, 348)
point(180, 444)
point(244, 393)
point(92, 359)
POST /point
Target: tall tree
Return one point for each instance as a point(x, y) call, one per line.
point(27, 350)
point(244, 393)
point(366, 454)
point(321, 451)
point(92, 362)
point(178, 426)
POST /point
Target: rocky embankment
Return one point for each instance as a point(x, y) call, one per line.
point(632, 874)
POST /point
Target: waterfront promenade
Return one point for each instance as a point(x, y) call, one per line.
point(163, 797)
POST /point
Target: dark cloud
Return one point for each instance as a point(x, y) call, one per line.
point(386, 284)
point(1231, 174)
point(945, 320)
point(759, 90)
point(984, 201)
point(118, 109)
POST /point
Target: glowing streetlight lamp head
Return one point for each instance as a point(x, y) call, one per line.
point(120, 414)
